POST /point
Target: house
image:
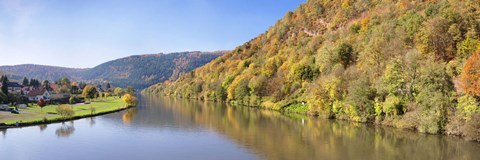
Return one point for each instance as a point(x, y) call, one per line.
point(54, 87)
point(26, 90)
point(60, 96)
point(39, 93)
point(14, 87)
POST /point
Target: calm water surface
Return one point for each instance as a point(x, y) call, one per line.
point(168, 128)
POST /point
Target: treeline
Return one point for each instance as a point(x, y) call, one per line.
point(406, 64)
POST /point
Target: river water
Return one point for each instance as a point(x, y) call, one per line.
point(169, 128)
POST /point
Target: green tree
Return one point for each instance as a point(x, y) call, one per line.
point(393, 78)
point(118, 92)
point(257, 85)
point(46, 85)
point(130, 90)
point(4, 85)
point(242, 89)
point(25, 81)
point(89, 92)
point(346, 54)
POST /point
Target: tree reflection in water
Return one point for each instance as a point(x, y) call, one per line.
point(4, 132)
point(91, 121)
point(42, 127)
point(274, 135)
point(65, 130)
point(128, 116)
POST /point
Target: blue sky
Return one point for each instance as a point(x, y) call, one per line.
point(85, 33)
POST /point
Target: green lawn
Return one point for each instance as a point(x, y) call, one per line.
point(49, 113)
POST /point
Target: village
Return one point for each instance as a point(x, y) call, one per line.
point(15, 96)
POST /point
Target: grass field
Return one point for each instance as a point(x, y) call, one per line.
point(35, 114)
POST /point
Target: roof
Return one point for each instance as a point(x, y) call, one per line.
point(37, 92)
point(13, 84)
point(54, 86)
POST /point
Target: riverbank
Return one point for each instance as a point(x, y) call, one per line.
point(303, 109)
point(34, 115)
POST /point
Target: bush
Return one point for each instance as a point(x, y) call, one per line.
point(393, 106)
point(65, 111)
point(73, 100)
point(472, 128)
point(468, 106)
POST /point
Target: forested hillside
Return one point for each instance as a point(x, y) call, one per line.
point(138, 71)
point(401, 63)
point(144, 70)
point(18, 72)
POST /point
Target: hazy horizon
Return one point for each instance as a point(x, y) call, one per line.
point(84, 34)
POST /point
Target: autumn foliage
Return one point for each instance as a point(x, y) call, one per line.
point(471, 75)
point(41, 103)
point(130, 100)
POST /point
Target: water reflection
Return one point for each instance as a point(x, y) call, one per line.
point(128, 116)
point(91, 121)
point(276, 136)
point(4, 133)
point(42, 127)
point(65, 130)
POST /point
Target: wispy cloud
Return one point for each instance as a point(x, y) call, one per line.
point(22, 12)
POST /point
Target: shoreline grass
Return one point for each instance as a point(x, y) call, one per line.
point(35, 115)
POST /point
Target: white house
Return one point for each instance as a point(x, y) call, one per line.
point(39, 93)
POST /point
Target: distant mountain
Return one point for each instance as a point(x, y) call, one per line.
point(139, 71)
point(17, 72)
point(144, 70)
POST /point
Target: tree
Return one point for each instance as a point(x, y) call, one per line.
point(46, 84)
point(108, 86)
point(64, 82)
point(41, 103)
point(34, 83)
point(65, 111)
point(89, 92)
point(72, 100)
point(3, 97)
point(130, 90)
point(470, 77)
point(4, 85)
point(118, 92)
point(25, 81)
point(92, 109)
point(82, 85)
point(130, 100)
point(74, 89)
point(345, 54)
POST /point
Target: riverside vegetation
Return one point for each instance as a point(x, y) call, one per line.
point(407, 64)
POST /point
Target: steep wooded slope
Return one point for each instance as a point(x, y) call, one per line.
point(393, 62)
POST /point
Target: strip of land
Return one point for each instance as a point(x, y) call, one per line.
point(35, 115)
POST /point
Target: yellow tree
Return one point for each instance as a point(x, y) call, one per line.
point(130, 100)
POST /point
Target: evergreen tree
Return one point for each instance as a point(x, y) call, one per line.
point(25, 81)
point(4, 85)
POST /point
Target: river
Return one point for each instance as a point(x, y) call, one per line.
point(169, 128)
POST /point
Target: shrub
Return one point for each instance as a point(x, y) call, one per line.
point(468, 106)
point(65, 111)
point(472, 128)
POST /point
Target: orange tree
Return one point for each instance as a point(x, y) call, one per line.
point(471, 75)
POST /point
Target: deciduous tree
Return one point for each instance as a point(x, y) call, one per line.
point(470, 77)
